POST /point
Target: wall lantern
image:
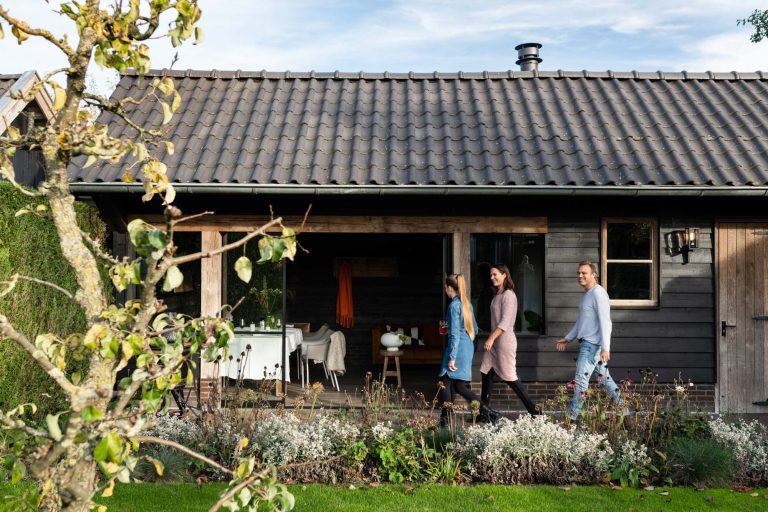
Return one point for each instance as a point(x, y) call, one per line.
point(682, 241)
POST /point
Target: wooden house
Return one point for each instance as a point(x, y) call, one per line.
point(411, 175)
point(23, 114)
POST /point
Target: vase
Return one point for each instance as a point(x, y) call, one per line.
point(391, 341)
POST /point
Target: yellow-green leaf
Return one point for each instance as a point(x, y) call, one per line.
point(90, 414)
point(167, 113)
point(176, 102)
point(244, 268)
point(159, 468)
point(109, 489)
point(52, 420)
point(165, 86)
point(127, 177)
point(170, 194)
point(199, 36)
point(2, 34)
point(173, 278)
point(90, 161)
point(60, 96)
point(20, 34)
point(169, 148)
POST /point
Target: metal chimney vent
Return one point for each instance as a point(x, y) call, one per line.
point(528, 56)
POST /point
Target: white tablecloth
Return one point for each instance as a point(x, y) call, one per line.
point(264, 359)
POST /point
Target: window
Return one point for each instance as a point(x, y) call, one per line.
point(630, 262)
point(523, 254)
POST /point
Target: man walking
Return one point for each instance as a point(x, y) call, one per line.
point(593, 332)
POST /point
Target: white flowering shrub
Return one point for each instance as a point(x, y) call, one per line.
point(175, 428)
point(634, 453)
point(749, 443)
point(382, 430)
point(534, 449)
point(285, 439)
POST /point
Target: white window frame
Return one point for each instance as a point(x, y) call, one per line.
point(654, 261)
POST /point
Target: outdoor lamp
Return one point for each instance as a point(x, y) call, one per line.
point(682, 241)
point(691, 238)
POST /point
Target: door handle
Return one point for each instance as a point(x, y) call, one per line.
point(723, 325)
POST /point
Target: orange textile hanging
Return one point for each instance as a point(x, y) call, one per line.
point(344, 309)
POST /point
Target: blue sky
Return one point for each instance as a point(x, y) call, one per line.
point(448, 35)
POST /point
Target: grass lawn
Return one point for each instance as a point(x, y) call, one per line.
point(189, 497)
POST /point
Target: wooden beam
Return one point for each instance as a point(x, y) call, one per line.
point(368, 224)
point(210, 291)
point(461, 257)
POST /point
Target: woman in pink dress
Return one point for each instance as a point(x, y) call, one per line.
point(501, 346)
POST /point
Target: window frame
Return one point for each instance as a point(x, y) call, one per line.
point(653, 302)
point(545, 251)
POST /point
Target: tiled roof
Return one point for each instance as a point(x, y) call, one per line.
point(512, 128)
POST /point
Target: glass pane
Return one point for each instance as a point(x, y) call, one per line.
point(629, 241)
point(629, 281)
point(524, 256)
point(262, 296)
point(186, 298)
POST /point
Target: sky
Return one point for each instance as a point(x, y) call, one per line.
point(430, 35)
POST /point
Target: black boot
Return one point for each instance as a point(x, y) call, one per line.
point(488, 414)
point(443, 422)
point(519, 390)
point(485, 392)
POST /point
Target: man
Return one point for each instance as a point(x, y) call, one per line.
point(593, 331)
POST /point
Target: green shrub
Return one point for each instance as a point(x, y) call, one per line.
point(176, 467)
point(699, 462)
point(29, 245)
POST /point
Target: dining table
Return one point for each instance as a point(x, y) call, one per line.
point(258, 355)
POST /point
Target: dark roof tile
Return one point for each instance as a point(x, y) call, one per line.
point(500, 128)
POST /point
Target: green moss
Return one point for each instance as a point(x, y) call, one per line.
point(29, 246)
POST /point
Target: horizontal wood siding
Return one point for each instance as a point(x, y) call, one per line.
point(675, 339)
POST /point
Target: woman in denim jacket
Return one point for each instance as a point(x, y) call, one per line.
point(456, 369)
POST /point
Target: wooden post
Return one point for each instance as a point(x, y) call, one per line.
point(210, 289)
point(461, 263)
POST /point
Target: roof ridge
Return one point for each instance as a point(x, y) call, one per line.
point(458, 75)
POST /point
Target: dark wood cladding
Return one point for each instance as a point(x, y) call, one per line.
point(675, 339)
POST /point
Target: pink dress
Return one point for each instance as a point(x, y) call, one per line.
point(502, 358)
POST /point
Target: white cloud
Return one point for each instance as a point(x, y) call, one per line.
point(444, 35)
point(730, 51)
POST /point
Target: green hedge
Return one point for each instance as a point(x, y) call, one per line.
point(29, 246)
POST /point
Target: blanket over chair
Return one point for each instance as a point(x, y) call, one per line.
point(337, 349)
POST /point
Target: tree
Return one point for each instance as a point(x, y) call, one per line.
point(759, 21)
point(101, 430)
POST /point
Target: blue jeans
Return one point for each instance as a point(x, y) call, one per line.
point(586, 365)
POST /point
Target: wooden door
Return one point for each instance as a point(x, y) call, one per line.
point(742, 270)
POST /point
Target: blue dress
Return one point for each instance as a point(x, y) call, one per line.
point(460, 348)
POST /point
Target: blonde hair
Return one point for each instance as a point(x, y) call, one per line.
point(458, 283)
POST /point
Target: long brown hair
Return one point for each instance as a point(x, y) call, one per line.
point(507, 284)
point(458, 283)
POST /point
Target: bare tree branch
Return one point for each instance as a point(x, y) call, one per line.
point(7, 331)
point(248, 481)
point(21, 188)
point(96, 246)
point(45, 34)
point(20, 425)
point(190, 217)
point(184, 449)
point(56, 287)
point(234, 245)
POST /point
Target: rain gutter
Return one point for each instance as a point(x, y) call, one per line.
point(433, 190)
